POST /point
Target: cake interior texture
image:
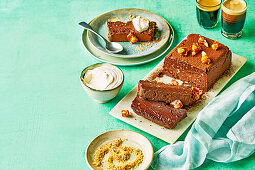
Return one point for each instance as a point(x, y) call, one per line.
point(158, 112)
point(158, 91)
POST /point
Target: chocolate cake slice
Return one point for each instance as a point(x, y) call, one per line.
point(158, 112)
point(157, 91)
point(118, 31)
point(191, 69)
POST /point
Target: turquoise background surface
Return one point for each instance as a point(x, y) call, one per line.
point(47, 119)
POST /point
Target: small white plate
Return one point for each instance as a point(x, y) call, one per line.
point(134, 139)
point(171, 135)
point(99, 24)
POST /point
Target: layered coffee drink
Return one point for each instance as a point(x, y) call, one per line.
point(207, 12)
point(233, 18)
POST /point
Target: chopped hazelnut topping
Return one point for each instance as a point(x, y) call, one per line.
point(202, 40)
point(132, 38)
point(195, 49)
point(196, 96)
point(177, 104)
point(125, 113)
point(196, 93)
point(215, 45)
point(183, 51)
point(197, 90)
point(205, 58)
point(205, 43)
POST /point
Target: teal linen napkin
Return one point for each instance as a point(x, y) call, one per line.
point(224, 131)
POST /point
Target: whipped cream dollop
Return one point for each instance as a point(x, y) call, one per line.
point(103, 77)
point(167, 80)
point(141, 24)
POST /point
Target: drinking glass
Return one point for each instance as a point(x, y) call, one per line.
point(233, 18)
point(208, 12)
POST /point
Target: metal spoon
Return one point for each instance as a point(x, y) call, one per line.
point(112, 47)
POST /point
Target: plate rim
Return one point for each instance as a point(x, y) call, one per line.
point(130, 56)
point(85, 153)
point(84, 41)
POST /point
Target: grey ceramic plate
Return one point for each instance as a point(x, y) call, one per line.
point(138, 49)
point(99, 55)
point(134, 139)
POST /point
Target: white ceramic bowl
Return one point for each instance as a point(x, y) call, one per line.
point(100, 96)
point(134, 139)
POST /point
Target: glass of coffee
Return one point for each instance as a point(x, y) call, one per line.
point(232, 18)
point(208, 12)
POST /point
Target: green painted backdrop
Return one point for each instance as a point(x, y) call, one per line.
point(46, 118)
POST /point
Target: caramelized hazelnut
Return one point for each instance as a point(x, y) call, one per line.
point(132, 38)
point(177, 104)
point(205, 58)
point(125, 113)
point(196, 93)
point(183, 51)
point(196, 96)
point(202, 40)
point(196, 48)
point(205, 43)
point(197, 90)
point(215, 45)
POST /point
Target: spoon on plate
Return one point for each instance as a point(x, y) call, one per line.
point(111, 47)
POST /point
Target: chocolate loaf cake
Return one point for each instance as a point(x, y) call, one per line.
point(118, 31)
point(157, 91)
point(198, 62)
point(158, 112)
point(191, 69)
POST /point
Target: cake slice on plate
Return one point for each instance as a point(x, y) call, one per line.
point(139, 29)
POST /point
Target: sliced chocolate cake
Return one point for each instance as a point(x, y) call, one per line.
point(157, 91)
point(158, 112)
point(119, 31)
point(191, 68)
point(198, 62)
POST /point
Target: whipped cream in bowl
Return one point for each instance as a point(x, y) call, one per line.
point(141, 24)
point(102, 81)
